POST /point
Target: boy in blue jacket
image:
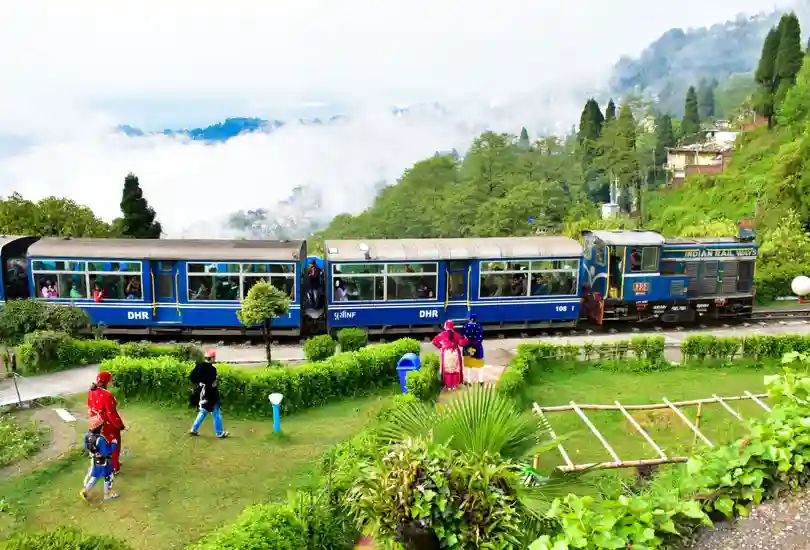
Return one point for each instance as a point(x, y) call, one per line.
point(101, 460)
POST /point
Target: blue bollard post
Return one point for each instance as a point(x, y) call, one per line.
point(275, 400)
point(276, 418)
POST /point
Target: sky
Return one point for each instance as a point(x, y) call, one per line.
point(72, 71)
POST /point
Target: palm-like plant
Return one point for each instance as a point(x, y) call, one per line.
point(482, 423)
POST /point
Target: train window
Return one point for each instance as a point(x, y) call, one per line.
point(166, 265)
point(165, 284)
point(643, 258)
point(114, 267)
point(208, 287)
point(255, 268)
point(357, 269)
point(286, 284)
point(545, 278)
point(410, 288)
point(458, 266)
point(232, 281)
point(672, 268)
point(365, 289)
point(456, 286)
point(412, 268)
point(117, 287)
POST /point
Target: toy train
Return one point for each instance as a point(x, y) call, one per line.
point(387, 286)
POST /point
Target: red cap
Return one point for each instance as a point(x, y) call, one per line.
point(103, 378)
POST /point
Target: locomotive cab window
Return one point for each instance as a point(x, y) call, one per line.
point(643, 259)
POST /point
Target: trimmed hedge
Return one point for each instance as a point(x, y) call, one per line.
point(425, 383)
point(265, 526)
point(62, 539)
point(21, 317)
point(320, 348)
point(165, 379)
point(46, 351)
point(352, 339)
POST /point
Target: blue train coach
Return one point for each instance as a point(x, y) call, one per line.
point(406, 285)
point(640, 275)
point(165, 285)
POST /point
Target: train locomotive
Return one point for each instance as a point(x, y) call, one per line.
point(396, 286)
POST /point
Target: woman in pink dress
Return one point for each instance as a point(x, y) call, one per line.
point(451, 343)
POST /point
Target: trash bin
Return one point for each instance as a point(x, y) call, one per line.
point(409, 362)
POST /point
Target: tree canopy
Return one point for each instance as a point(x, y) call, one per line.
point(49, 217)
point(138, 218)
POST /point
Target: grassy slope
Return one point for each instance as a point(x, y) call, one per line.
point(175, 488)
point(589, 385)
point(730, 196)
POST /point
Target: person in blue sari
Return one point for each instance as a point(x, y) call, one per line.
point(474, 350)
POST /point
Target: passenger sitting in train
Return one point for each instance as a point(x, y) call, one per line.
point(424, 292)
point(340, 292)
point(133, 288)
point(201, 293)
point(539, 286)
point(98, 293)
point(74, 291)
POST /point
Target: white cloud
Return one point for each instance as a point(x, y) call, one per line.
point(73, 70)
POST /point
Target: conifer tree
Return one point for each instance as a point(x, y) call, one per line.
point(664, 138)
point(706, 101)
point(138, 219)
point(789, 54)
point(523, 140)
point(610, 111)
point(690, 127)
point(590, 122)
point(765, 75)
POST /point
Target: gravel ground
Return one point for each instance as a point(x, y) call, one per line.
point(782, 524)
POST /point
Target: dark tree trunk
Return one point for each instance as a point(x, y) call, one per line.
point(268, 342)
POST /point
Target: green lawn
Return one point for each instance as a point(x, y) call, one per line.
point(592, 386)
point(174, 488)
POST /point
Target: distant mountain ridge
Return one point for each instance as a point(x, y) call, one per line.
point(679, 59)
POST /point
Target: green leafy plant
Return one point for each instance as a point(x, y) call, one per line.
point(62, 539)
point(352, 339)
point(17, 440)
point(21, 317)
point(319, 347)
point(425, 384)
point(263, 303)
point(261, 526)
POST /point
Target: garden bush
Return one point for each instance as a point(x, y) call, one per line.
point(46, 351)
point(20, 317)
point(165, 379)
point(319, 348)
point(352, 339)
point(425, 383)
point(266, 526)
point(62, 539)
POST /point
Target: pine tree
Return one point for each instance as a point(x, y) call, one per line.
point(627, 165)
point(690, 127)
point(523, 140)
point(610, 111)
point(765, 75)
point(789, 56)
point(138, 219)
point(590, 122)
point(706, 102)
point(664, 138)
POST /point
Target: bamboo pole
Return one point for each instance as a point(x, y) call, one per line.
point(697, 422)
point(757, 401)
point(641, 430)
point(688, 423)
point(624, 464)
point(596, 432)
point(652, 406)
point(553, 435)
point(725, 405)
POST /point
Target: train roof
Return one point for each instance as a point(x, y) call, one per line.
point(628, 237)
point(674, 241)
point(168, 249)
point(451, 249)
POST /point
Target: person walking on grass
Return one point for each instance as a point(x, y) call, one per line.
point(102, 403)
point(205, 396)
point(101, 466)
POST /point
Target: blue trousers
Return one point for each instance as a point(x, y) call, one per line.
point(217, 416)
